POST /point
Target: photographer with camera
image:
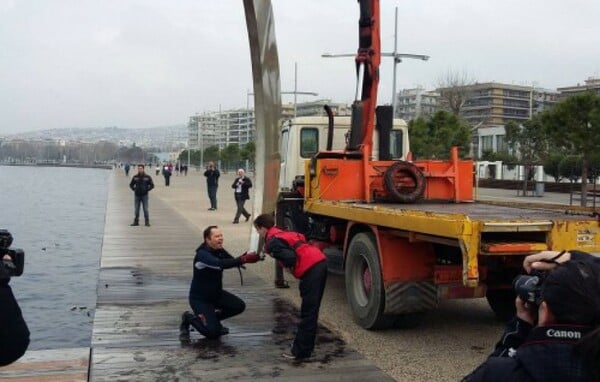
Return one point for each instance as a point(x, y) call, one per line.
point(555, 335)
point(212, 175)
point(14, 334)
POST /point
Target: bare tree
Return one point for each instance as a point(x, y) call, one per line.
point(453, 87)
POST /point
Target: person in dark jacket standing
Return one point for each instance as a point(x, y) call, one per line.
point(141, 184)
point(241, 185)
point(167, 174)
point(308, 264)
point(557, 337)
point(210, 303)
point(212, 175)
point(14, 333)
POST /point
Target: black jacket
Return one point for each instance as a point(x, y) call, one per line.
point(14, 334)
point(246, 185)
point(525, 353)
point(212, 177)
point(207, 283)
point(141, 184)
point(534, 354)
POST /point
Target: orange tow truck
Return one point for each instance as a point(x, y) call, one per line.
point(406, 234)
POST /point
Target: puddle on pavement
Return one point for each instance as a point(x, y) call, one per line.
point(285, 318)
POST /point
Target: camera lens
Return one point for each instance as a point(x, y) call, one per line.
point(527, 288)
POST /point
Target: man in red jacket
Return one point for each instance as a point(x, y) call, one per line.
point(308, 264)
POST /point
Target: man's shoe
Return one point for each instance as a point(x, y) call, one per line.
point(184, 327)
point(236, 222)
point(248, 217)
point(147, 224)
point(211, 209)
point(224, 330)
point(134, 224)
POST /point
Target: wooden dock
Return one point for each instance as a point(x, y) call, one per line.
point(143, 284)
point(142, 291)
point(60, 365)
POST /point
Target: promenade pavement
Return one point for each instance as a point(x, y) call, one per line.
point(448, 344)
point(143, 284)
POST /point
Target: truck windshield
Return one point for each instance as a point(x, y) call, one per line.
point(283, 144)
point(396, 144)
point(309, 142)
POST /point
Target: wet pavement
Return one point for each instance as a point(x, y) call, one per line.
point(142, 293)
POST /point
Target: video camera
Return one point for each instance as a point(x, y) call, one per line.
point(529, 287)
point(12, 260)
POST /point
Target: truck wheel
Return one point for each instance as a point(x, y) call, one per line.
point(364, 284)
point(405, 182)
point(288, 224)
point(502, 302)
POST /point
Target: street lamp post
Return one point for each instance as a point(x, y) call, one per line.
point(201, 148)
point(188, 152)
point(295, 92)
point(395, 55)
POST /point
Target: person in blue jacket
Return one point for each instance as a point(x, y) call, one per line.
point(209, 301)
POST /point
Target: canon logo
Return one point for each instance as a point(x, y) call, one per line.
point(563, 334)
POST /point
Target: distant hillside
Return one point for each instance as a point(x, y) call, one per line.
point(164, 136)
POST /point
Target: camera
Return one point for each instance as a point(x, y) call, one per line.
point(12, 260)
point(529, 287)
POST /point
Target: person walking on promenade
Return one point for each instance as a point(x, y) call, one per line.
point(141, 184)
point(210, 303)
point(157, 169)
point(212, 175)
point(241, 185)
point(126, 169)
point(308, 264)
point(167, 175)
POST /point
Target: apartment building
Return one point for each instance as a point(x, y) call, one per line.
point(489, 106)
point(495, 104)
point(417, 102)
point(303, 109)
point(237, 126)
point(591, 84)
point(221, 128)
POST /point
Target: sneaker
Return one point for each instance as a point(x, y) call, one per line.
point(248, 217)
point(236, 222)
point(281, 284)
point(134, 224)
point(147, 224)
point(211, 209)
point(224, 330)
point(289, 356)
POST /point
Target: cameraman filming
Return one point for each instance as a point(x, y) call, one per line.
point(555, 335)
point(14, 334)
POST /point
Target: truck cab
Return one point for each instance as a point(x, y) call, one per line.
point(301, 138)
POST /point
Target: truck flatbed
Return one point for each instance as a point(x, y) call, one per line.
point(464, 221)
point(484, 211)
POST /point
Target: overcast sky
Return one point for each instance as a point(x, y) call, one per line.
point(146, 63)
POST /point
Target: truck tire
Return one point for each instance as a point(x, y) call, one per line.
point(288, 224)
point(364, 284)
point(502, 302)
point(405, 182)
